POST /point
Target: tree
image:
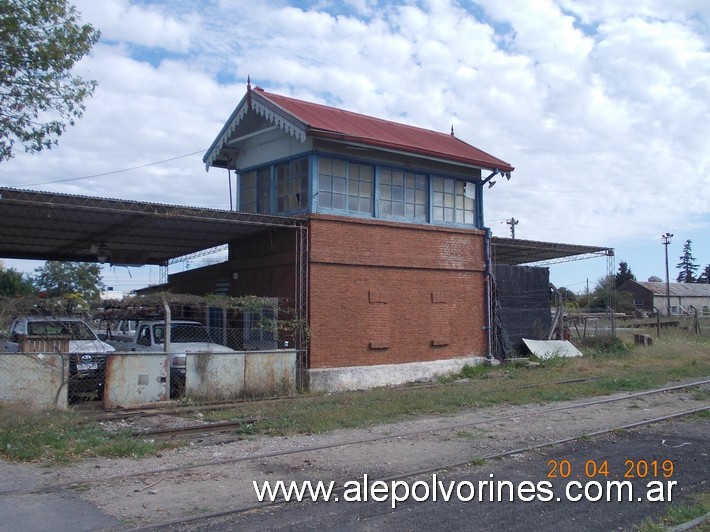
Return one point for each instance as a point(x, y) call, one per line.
point(686, 265)
point(704, 277)
point(40, 43)
point(567, 295)
point(602, 296)
point(624, 274)
point(14, 283)
point(69, 279)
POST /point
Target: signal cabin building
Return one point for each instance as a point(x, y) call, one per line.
point(395, 267)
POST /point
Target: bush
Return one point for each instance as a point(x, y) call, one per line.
point(605, 345)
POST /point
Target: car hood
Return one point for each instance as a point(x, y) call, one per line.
point(89, 346)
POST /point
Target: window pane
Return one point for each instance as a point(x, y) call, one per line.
point(264, 190)
point(339, 168)
point(386, 192)
point(366, 172)
point(325, 183)
point(365, 205)
point(282, 171)
point(325, 166)
point(301, 167)
point(397, 193)
point(353, 187)
point(438, 184)
point(282, 187)
point(339, 201)
point(438, 214)
point(339, 185)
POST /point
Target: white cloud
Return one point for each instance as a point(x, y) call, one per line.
point(602, 106)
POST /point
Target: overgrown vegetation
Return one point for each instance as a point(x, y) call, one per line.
point(670, 359)
point(605, 369)
point(678, 514)
point(61, 437)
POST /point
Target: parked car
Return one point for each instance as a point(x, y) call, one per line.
point(87, 354)
point(120, 331)
point(185, 337)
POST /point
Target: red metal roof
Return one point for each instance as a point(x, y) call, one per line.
point(329, 122)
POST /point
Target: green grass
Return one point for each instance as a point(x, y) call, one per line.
point(680, 514)
point(606, 367)
point(609, 369)
point(60, 437)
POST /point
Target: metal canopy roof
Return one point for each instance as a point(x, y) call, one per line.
point(50, 226)
point(516, 252)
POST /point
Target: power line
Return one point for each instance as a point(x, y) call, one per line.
point(112, 172)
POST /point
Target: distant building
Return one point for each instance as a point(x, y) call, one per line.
point(685, 298)
point(110, 294)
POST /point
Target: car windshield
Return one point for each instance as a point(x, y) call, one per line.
point(182, 333)
point(76, 330)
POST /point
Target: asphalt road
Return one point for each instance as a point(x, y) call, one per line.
point(642, 452)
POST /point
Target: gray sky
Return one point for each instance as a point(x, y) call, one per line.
point(602, 106)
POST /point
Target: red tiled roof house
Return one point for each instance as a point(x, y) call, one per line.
point(395, 260)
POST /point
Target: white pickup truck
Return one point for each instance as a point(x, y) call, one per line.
point(185, 337)
point(87, 354)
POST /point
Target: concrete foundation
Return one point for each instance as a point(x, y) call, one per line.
point(365, 377)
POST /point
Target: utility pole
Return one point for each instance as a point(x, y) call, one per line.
point(666, 239)
point(512, 223)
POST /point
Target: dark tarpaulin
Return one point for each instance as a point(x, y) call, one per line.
point(521, 307)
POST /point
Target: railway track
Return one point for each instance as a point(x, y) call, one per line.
point(477, 422)
point(180, 410)
point(204, 518)
point(193, 485)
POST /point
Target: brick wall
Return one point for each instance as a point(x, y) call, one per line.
point(384, 293)
point(379, 292)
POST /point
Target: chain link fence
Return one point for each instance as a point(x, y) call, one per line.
point(62, 349)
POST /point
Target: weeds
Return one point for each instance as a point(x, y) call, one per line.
point(680, 514)
point(63, 436)
point(60, 437)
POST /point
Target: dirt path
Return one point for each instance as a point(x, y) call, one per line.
point(225, 480)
